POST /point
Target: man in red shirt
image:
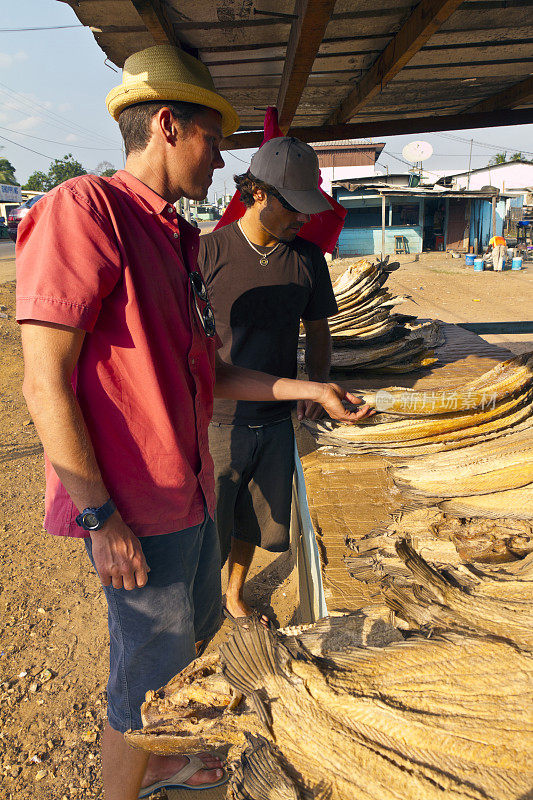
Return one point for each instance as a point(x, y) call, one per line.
point(119, 347)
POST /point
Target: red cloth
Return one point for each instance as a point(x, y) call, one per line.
point(111, 257)
point(322, 229)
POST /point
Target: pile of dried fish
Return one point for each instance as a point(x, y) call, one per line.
point(487, 425)
point(443, 540)
point(366, 334)
point(416, 718)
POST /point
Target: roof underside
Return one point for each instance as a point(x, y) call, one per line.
point(385, 66)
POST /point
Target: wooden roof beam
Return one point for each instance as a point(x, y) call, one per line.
point(426, 18)
point(388, 127)
point(516, 95)
point(307, 32)
point(153, 14)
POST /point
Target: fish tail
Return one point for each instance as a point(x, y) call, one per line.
point(250, 654)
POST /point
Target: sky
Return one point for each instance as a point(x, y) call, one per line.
point(53, 85)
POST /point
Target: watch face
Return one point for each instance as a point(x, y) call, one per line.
point(90, 521)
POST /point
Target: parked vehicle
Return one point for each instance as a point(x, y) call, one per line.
point(17, 214)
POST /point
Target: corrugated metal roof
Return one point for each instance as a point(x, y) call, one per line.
point(348, 143)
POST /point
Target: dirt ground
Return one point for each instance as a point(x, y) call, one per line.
point(53, 650)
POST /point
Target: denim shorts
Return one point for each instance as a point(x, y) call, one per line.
point(153, 630)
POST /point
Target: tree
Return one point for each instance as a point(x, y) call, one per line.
point(7, 172)
point(37, 182)
point(499, 158)
point(519, 156)
point(105, 169)
point(61, 169)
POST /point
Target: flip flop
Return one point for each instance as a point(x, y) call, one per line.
point(177, 781)
point(243, 622)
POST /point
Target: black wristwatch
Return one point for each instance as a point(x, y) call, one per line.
point(92, 519)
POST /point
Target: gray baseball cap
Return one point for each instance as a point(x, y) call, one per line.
point(291, 167)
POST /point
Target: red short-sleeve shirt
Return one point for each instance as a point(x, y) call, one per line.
point(111, 257)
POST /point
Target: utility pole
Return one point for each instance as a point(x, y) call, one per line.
point(383, 202)
point(469, 165)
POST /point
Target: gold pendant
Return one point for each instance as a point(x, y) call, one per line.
point(263, 261)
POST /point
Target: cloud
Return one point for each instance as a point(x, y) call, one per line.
point(27, 124)
point(63, 107)
point(7, 60)
point(71, 138)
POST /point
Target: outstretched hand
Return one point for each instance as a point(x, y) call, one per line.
point(332, 402)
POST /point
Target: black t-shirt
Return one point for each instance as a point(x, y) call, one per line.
point(258, 310)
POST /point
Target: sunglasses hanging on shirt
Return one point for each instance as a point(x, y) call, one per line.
point(205, 315)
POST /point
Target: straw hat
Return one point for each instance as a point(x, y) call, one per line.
point(166, 73)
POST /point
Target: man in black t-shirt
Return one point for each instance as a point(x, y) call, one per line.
point(262, 280)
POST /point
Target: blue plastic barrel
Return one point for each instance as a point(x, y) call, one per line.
point(469, 259)
point(478, 265)
point(516, 263)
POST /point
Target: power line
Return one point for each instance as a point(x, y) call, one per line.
point(409, 164)
point(47, 28)
point(63, 144)
point(46, 122)
point(229, 152)
point(481, 144)
point(50, 158)
point(32, 104)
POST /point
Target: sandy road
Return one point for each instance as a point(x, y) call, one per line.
point(7, 261)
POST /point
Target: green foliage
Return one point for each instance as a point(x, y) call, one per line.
point(499, 158)
point(7, 172)
point(61, 169)
point(37, 182)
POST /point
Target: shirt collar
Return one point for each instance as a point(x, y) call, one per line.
point(154, 201)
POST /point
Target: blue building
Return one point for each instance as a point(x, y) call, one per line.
point(387, 215)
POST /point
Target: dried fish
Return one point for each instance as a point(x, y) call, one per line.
point(514, 375)
point(505, 463)
point(441, 604)
point(364, 318)
point(416, 719)
point(517, 503)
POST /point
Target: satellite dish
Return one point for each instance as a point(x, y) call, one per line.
point(417, 151)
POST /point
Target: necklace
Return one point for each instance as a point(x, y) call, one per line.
point(264, 256)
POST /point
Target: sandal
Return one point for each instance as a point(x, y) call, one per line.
point(177, 781)
point(243, 622)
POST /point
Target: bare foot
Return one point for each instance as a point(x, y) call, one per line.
point(237, 607)
point(159, 768)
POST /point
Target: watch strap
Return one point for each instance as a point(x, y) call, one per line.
point(102, 514)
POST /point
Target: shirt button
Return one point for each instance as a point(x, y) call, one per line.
point(193, 362)
point(176, 235)
point(170, 210)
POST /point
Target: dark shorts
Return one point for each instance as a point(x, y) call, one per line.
point(253, 483)
point(153, 630)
